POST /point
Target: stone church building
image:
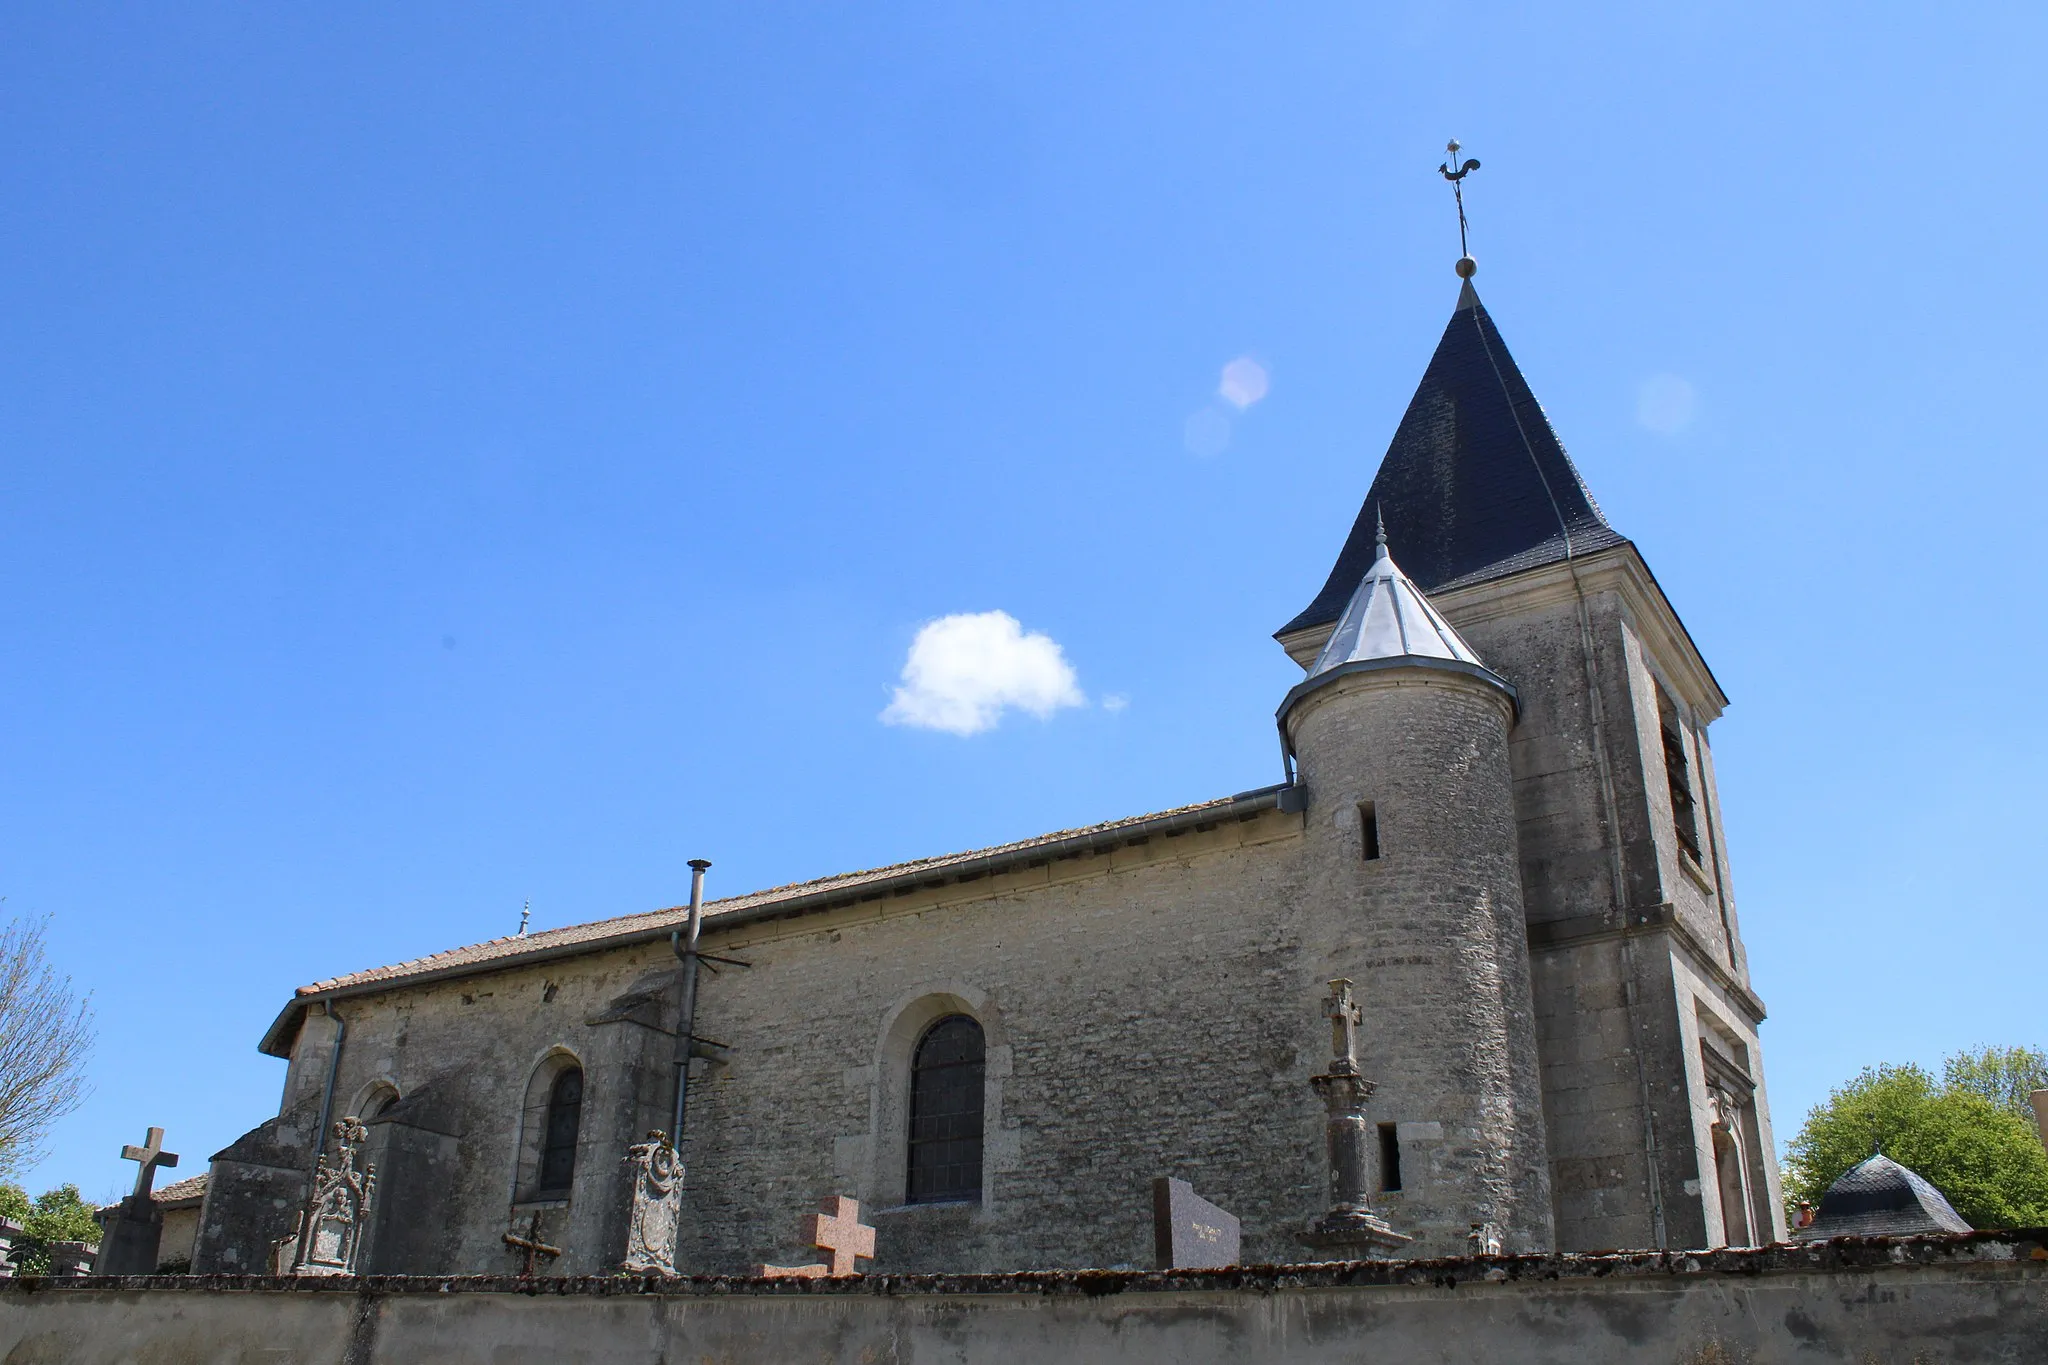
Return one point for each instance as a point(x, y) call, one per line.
point(1500, 824)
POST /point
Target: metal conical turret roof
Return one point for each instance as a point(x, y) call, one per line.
point(1475, 483)
point(1388, 623)
point(1389, 618)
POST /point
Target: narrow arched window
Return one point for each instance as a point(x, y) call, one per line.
point(945, 1113)
point(558, 1138)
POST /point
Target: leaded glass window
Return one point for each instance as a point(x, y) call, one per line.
point(945, 1113)
point(558, 1138)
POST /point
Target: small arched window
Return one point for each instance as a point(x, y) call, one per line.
point(945, 1113)
point(558, 1137)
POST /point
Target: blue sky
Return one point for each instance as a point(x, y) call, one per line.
point(452, 455)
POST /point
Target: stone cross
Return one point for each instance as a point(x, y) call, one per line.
point(151, 1155)
point(532, 1245)
point(1344, 1020)
point(837, 1229)
point(1350, 1223)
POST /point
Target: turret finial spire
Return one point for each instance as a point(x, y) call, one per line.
point(1380, 535)
point(1467, 267)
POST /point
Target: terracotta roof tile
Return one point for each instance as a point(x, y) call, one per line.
point(192, 1187)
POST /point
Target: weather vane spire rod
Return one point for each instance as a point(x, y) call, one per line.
point(1467, 267)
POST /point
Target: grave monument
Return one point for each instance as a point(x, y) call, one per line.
point(136, 1230)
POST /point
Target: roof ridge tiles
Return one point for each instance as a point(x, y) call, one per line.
point(597, 932)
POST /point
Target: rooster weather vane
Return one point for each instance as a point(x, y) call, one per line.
point(1467, 267)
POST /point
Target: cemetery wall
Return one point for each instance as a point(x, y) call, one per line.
point(1875, 1302)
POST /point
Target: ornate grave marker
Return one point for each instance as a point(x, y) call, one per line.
point(136, 1230)
point(657, 1175)
point(1189, 1232)
point(836, 1228)
point(330, 1231)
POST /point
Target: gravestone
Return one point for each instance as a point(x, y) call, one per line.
point(70, 1259)
point(1189, 1232)
point(836, 1228)
point(135, 1231)
point(531, 1246)
point(11, 1234)
point(656, 1172)
point(330, 1229)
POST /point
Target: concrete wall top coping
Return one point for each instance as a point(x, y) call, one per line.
point(2024, 1249)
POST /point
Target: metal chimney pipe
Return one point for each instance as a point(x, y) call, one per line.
point(684, 943)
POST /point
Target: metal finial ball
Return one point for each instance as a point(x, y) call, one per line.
point(1452, 146)
point(1467, 267)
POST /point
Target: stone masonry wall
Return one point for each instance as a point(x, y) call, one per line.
point(1916, 1302)
point(1150, 1011)
point(1435, 934)
point(1620, 929)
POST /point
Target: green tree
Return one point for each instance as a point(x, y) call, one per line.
point(58, 1215)
point(1982, 1155)
point(2003, 1075)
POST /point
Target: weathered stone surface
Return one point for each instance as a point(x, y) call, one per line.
point(1982, 1298)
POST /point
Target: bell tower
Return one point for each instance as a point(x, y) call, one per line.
point(1658, 1129)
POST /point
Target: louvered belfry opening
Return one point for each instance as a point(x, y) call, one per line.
point(945, 1113)
point(1684, 814)
point(558, 1140)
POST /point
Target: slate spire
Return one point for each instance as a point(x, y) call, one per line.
point(1475, 483)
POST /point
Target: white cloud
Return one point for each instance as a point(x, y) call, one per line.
point(1115, 701)
point(1244, 383)
point(965, 670)
point(1665, 403)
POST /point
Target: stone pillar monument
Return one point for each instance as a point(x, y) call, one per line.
point(1350, 1223)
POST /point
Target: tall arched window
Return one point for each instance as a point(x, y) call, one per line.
point(945, 1113)
point(558, 1137)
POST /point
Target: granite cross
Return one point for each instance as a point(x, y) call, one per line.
point(532, 1245)
point(835, 1228)
point(1344, 1020)
point(152, 1155)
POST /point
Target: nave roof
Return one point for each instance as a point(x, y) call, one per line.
point(775, 902)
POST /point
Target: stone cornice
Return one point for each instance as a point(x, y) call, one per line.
point(1619, 569)
point(2020, 1253)
point(1645, 920)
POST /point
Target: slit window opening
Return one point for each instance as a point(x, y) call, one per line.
point(1390, 1158)
point(1369, 831)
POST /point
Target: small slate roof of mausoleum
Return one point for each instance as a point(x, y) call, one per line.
point(1881, 1198)
point(1476, 485)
